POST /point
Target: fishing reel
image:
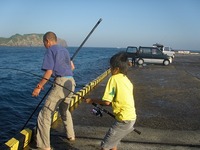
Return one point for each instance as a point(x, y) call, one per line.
point(97, 111)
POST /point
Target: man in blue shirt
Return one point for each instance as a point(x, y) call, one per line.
point(56, 63)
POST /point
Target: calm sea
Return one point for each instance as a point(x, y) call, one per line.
point(16, 87)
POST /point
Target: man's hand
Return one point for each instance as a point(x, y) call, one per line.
point(37, 90)
point(40, 85)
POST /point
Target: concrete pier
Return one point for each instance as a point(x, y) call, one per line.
point(167, 100)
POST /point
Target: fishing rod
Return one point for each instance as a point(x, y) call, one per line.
point(86, 39)
point(48, 80)
point(76, 52)
point(98, 112)
point(53, 82)
point(36, 108)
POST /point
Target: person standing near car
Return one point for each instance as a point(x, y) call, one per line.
point(56, 63)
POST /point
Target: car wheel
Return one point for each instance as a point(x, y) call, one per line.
point(140, 61)
point(166, 62)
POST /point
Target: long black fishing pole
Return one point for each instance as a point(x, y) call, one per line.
point(53, 82)
point(86, 39)
point(36, 108)
point(76, 52)
point(50, 80)
point(100, 109)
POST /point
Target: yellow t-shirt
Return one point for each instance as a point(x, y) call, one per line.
point(119, 91)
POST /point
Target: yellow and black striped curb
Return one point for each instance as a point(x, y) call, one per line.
point(76, 98)
point(19, 141)
point(22, 139)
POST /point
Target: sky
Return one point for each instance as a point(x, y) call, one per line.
point(174, 23)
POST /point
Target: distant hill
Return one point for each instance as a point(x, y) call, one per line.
point(29, 40)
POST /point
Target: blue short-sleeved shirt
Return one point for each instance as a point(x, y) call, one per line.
point(57, 58)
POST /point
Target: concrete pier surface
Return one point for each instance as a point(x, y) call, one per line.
point(167, 100)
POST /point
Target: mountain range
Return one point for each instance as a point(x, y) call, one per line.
point(28, 40)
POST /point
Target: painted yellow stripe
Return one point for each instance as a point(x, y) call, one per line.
point(28, 134)
point(13, 144)
point(24, 137)
point(20, 141)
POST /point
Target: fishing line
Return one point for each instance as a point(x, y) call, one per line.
point(36, 108)
point(41, 77)
point(40, 100)
point(53, 81)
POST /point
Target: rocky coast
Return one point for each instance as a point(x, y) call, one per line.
point(27, 40)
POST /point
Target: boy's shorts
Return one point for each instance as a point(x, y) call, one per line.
point(118, 131)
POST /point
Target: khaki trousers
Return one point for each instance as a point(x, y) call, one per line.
point(58, 97)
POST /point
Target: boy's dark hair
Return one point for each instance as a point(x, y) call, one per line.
point(120, 60)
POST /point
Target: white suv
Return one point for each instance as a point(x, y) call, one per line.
point(165, 50)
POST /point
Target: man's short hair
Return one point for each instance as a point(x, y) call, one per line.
point(50, 36)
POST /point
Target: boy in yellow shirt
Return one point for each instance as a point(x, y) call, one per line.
point(119, 94)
